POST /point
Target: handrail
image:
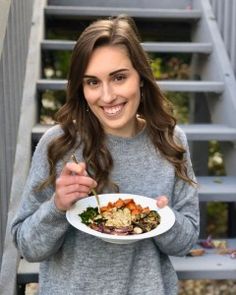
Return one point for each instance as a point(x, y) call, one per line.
point(4, 12)
point(15, 23)
point(28, 118)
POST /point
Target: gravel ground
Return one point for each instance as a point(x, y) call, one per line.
point(207, 287)
point(190, 287)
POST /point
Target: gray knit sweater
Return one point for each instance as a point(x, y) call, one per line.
point(76, 263)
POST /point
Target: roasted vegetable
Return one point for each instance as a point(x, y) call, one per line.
point(123, 217)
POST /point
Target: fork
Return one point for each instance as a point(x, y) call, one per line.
point(73, 157)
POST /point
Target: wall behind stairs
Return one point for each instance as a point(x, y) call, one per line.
point(15, 23)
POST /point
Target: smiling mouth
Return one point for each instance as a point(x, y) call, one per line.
point(114, 110)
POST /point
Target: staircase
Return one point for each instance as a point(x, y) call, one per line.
point(211, 92)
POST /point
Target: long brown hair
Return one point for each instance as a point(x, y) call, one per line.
point(77, 122)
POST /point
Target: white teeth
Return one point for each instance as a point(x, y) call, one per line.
point(112, 110)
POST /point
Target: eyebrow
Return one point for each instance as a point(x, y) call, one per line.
point(111, 74)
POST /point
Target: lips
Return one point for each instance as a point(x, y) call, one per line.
point(113, 110)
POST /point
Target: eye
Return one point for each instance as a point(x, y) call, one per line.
point(91, 82)
point(119, 77)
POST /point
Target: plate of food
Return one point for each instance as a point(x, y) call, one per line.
point(123, 218)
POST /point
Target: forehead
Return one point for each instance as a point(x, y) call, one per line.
point(107, 59)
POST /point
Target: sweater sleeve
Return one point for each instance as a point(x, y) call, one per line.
point(39, 228)
point(179, 240)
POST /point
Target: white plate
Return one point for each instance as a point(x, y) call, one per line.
point(166, 214)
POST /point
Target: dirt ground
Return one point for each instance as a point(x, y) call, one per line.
point(190, 287)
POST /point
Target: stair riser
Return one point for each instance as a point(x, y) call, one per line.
point(149, 47)
point(180, 4)
point(172, 86)
point(147, 13)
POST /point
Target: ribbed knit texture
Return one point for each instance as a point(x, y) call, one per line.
point(76, 263)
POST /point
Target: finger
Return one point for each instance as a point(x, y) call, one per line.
point(73, 167)
point(76, 188)
point(162, 201)
point(76, 179)
point(65, 171)
point(77, 168)
point(72, 198)
point(86, 181)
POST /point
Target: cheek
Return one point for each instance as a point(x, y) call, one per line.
point(130, 91)
point(135, 95)
point(91, 96)
point(134, 89)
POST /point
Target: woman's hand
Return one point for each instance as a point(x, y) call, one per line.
point(72, 185)
point(162, 201)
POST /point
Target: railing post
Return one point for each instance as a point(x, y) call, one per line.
point(28, 110)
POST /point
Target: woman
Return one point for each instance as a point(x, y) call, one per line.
point(120, 127)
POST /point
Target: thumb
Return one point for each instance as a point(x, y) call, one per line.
point(162, 201)
point(72, 167)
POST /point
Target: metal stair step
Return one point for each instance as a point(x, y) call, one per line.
point(191, 86)
point(93, 11)
point(206, 132)
point(181, 47)
point(180, 4)
point(209, 266)
point(194, 132)
point(180, 85)
point(217, 188)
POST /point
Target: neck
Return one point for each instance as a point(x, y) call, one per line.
point(131, 131)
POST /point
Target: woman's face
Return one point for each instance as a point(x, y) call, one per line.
point(112, 90)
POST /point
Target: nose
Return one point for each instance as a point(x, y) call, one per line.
point(107, 94)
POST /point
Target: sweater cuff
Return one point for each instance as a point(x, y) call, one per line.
point(55, 213)
point(180, 238)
